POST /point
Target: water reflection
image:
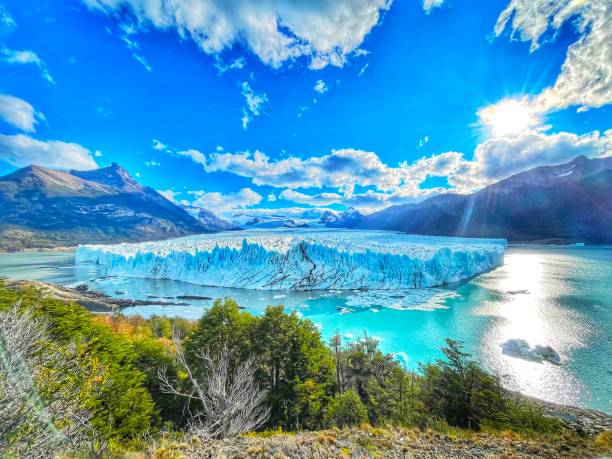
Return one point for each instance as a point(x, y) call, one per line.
point(529, 310)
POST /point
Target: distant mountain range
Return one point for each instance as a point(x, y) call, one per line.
point(566, 203)
point(41, 207)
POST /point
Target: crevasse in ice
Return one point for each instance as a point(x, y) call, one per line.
point(302, 259)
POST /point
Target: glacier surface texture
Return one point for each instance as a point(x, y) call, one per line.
point(302, 259)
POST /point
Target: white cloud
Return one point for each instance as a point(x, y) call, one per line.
point(226, 204)
point(321, 87)
point(159, 146)
point(498, 158)
point(276, 31)
point(237, 64)
point(22, 150)
point(321, 199)
point(25, 57)
point(382, 185)
point(19, 113)
point(271, 197)
point(341, 169)
point(152, 163)
point(363, 69)
point(169, 194)
point(255, 103)
point(586, 75)
point(423, 140)
point(429, 5)
point(195, 155)
point(6, 20)
point(126, 32)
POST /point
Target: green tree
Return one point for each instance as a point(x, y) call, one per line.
point(296, 368)
point(345, 410)
point(457, 389)
point(224, 324)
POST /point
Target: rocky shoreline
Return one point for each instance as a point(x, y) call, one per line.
point(91, 300)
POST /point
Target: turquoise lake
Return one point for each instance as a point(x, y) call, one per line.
point(554, 296)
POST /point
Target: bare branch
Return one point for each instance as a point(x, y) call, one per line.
point(229, 400)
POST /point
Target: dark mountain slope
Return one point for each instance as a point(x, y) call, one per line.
point(41, 207)
point(570, 202)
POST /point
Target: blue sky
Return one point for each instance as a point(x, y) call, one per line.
point(303, 105)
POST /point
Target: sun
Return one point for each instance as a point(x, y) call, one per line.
point(508, 117)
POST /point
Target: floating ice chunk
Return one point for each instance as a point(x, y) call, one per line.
point(303, 259)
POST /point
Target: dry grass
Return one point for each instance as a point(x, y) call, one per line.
point(371, 442)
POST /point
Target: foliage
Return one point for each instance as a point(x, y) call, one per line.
point(123, 407)
point(295, 366)
point(460, 391)
point(345, 410)
point(296, 369)
point(103, 370)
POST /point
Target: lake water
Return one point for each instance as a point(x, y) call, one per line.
point(560, 297)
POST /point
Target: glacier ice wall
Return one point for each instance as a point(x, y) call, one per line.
point(302, 259)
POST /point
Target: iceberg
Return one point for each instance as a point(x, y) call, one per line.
point(299, 260)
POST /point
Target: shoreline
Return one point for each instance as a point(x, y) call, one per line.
point(583, 420)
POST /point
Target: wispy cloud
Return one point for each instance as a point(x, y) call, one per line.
point(26, 57)
point(255, 103)
point(363, 69)
point(236, 64)
point(7, 22)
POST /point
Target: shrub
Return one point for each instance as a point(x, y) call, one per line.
point(345, 410)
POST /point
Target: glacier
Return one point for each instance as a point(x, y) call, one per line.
point(299, 260)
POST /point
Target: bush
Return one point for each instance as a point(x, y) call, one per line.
point(345, 410)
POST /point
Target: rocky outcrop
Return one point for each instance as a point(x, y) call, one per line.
point(521, 349)
point(93, 301)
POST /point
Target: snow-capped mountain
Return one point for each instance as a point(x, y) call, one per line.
point(209, 219)
point(347, 219)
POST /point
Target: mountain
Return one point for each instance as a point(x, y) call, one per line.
point(41, 207)
point(565, 203)
point(349, 218)
point(209, 219)
point(271, 221)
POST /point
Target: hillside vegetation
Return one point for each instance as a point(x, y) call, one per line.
point(236, 385)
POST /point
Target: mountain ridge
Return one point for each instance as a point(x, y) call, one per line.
point(565, 203)
point(45, 208)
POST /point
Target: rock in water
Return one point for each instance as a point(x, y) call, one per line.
point(521, 349)
point(303, 259)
